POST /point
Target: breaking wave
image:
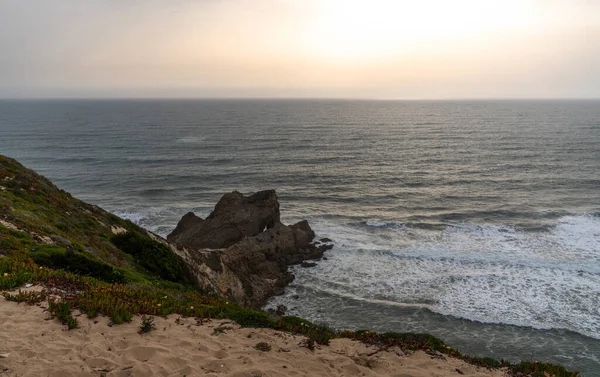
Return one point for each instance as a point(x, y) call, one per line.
point(481, 272)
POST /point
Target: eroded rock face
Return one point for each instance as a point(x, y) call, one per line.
point(255, 248)
point(262, 261)
point(234, 217)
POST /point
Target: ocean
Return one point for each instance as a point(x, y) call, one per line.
point(475, 221)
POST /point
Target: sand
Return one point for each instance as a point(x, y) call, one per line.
point(38, 346)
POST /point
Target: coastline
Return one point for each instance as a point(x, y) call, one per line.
point(181, 347)
point(95, 263)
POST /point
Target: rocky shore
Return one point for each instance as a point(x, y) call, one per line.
point(242, 250)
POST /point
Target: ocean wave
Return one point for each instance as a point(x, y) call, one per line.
point(403, 225)
point(525, 220)
point(384, 224)
point(488, 273)
point(190, 140)
point(159, 220)
point(134, 217)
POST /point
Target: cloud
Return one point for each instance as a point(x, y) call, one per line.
point(236, 48)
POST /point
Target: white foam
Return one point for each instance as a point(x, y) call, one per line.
point(376, 223)
point(357, 236)
point(190, 140)
point(159, 220)
point(384, 224)
point(134, 217)
point(579, 234)
point(487, 273)
point(482, 272)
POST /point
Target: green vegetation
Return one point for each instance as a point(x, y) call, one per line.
point(315, 333)
point(77, 262)
point(310, 343)
point(221, 330)
point(537, 369)
point(62, 311)
point(121, 302)
point(61, 232)
point(150, 254)
point(12, 275)
point(147, 325)
point(70, 247)
point(31, 298)
point(263, 346)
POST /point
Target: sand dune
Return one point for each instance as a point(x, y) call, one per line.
point(37, 346)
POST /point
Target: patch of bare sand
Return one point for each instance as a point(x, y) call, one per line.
point(40, 347)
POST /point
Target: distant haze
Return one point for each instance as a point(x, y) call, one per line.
point(423, 49)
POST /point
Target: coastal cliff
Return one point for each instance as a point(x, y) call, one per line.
point(241, 251)
point(70, 255)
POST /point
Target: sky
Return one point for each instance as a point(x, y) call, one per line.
point(379, 49)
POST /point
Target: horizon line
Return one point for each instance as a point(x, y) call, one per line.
point(225, 98)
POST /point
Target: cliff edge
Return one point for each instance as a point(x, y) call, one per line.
point(240, 252)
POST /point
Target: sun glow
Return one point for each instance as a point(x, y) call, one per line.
point(357, 29)
point(301, 48)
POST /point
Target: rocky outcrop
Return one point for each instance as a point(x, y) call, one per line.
point(254, 249)
point(234, 217)
point(241, 251)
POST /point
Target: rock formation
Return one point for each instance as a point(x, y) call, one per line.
point(254, 247)
point(235, 217)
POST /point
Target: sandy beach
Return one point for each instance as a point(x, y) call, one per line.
point(38, 346)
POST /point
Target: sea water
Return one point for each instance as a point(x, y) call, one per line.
point(475, 221)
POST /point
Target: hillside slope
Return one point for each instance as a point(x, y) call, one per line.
point(41, 221)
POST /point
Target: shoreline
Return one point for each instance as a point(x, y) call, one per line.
point(180, 347)
point(82, 254)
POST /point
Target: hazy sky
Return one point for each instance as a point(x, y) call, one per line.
point(300, 48)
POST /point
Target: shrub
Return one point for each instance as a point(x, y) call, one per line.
point(249, 317)
point(317, 333)
point(221, 330)
point(147, 325)
point(310, 344)
point(537, 369)
point(75, 262)
point(263, 346)
point(152, 255)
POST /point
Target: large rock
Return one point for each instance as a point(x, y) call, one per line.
point(255, 248)
point(234, 217)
